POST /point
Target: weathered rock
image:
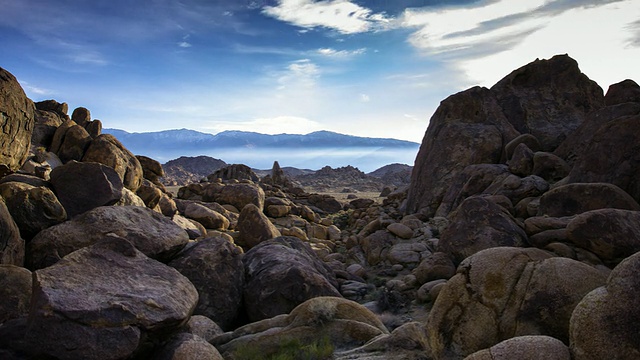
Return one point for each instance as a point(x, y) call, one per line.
point(234, 172)
point(17, 118)
point(362, 203)
point(94, 128)
point(34, 210)
point(81, 116)
point(168, 206)
point(479, 224)
point(611, 234)
point(203, 327)
point(238, 195)
point(400, 230)
point(90, 306)
point(612, 156)
point(473, 180)
point(184, 346)
point(576, 144)
point(129, 198)
point(60, 109)
point(521, 163)
point(536, 224)
point(527, 139)
point(531, 347)
point(572, 199)
point(281, 274)
point(210, 219)
point(75, 142)
point(406, 253)
point(501, 293)
point(82, 186)
point(11, 244)
point(107, 150)
point(549, 166)
point(346, 324)
point(193, 228)
point(377, 245)
point(15, 292)
point(149, 193)
point(151, 169)
point(150, 232)
point(548, 99)
point(516, 188)
point(254, 227)
point(623, 92)
point(433, 267)
point(214, 266)
point(326, 203)
point(467, 128)
point(604, 325)
point(45, 127)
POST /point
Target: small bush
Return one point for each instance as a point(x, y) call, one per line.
point(321, 349)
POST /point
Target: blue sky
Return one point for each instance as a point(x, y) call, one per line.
point(374, 68)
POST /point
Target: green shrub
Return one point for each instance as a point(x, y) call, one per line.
point(321, 349)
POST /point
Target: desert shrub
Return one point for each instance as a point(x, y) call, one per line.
point(320, 349)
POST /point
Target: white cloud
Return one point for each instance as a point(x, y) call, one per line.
point(489, 41)
point(343, 16)
point(333, 53)
point(35, 90)
point(365, 98)
point(184, 44)
point(299, 74)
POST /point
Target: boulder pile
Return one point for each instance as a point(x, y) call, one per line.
point(518, 237)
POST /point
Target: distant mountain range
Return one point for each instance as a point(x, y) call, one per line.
point(311, 151)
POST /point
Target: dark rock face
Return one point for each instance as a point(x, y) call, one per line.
point(82, 186)
point(479, 224)
point(75, 142)
point(186, 346)
point(234, 172)
point(15, 292)
point(612, 156)
point(214, 266)
point(106, 301)
point(11, 244)
point(151, 169)
point(150, 232)
point(548, 99)
point(17, 119)
point(623, 92)
point(467, 128)
point(281, 274)
point(34, 210)
point(106, 149)
point(254, 227)
point(572, 199)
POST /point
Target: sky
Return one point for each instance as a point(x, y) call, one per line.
point(375, 68)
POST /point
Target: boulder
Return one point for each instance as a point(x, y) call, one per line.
point(467, 128)
point(184, 346)
point(400, 230)
point(473, 180)
point(203, 327)
point(516, 188)
point(479, 224)
point(604, 325)
point(150, 232)
point(324, 202)
point(377, 245)
point(210, 219)
point(34, 210)
point(528, 140)
point(46, 124)
point(15, 292)
point(193, 228)
point(254, 227)
point(334, 322)
point(75, 142)
point(81, 116)
point(625, 91)
point(281, 274)
point(151, 169)
point(573, 199)
point(612, 156)
point(89, 306)
point(521, 163)
point(234, 172)
point(60, 109)
point(434, 267)
point(548, 99)
point(549, 166)
point(531, 347)
point(94, 128)
point(17, 117)
point(501, 293)
point(11, 244)
point(611, 234)
point(238, 195)
point(406, 253)
point(107, 150)
point(214, 266)
point(82, 186)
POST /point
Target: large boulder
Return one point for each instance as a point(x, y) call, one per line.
point(479, 224)
point(75, 142)
point(502, 293)
point(82, 186)
point(11, 244)
point(530, 347)
point(214, 266)
point(238, 195)
point(106, 301)
point(47, 122)
point(151, 170)
point(150, 232)
point(254, 227)
point(210, 219)
point(611, 234)
point(234, 172)
point(467, 128)
point(572, 199)
point(34, 210)
point(17, 118)
point(612, 156)
point(548, 99)
point(106, 149)
point(281, 274)
point(185, 346)
point(604, 325)
point(15, 292)
point(329, 322)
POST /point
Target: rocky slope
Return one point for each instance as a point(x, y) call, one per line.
point(517, 238)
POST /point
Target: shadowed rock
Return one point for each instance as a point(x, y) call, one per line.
point(17, 117)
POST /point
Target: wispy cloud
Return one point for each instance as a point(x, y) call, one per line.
point(333, 53)
point(300, 74)
point(343, 16)
point(35, 90)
